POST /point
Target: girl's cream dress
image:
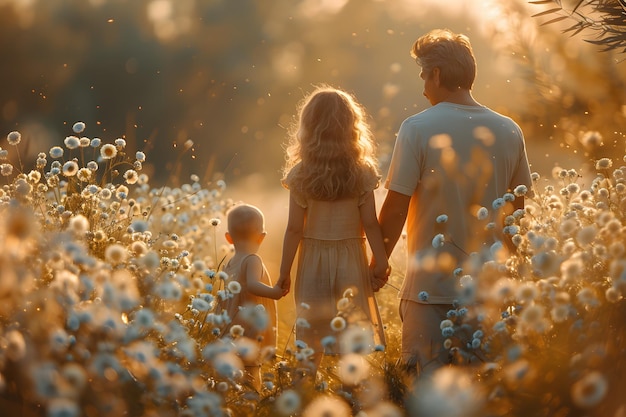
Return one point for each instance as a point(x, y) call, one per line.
point(333, 266)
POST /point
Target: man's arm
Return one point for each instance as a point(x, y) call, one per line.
point(392, 217)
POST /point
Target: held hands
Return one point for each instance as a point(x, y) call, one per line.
point(379, 275)
point(284, 282)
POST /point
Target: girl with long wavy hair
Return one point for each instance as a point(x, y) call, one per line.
point(331, 173)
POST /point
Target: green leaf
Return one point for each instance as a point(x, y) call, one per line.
point(545, 12)
point(577, 6)
point(556, 19)
point(577, 28)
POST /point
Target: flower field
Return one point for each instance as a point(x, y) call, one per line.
point(110, 294)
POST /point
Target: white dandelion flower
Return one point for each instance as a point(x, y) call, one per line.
point(573, 188)
point(84, 174)
point(482, 213)
point(450, 392)
point(140, 156)
point(120, 142)
point(498, 203)
point(604, 163)
point(438, 240)
point(79, 224)
point(70, 168)
point(108, 151)
point(520, 191)
point(228, 364)
point(13, 138)
point(353, 369)
point(328, 341)
point(121, 192)
point(327, 406)
point(84, 142)
point(338, 324)
point(6, 169)
point(95, 142)
point(356, 339)
point(131, 176)
point(288, 402)
point(71, 142)
point(115, 254)
point(532, 314)
point(590, 390)
point(106, 194)
point(92, 166)
point(78, 127)
point(446, 323)
point(508, 197)
point(442, 218)
point(301, 322)
point(200, 304)
point(234, 287)
point(236, 330)
point(560, 313)
point(526, 292)
point(586, 235)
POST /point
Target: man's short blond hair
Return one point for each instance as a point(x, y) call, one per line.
point(245, 220)
point(451, 53)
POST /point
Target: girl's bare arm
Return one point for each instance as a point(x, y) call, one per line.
point(374, 234)
point(293, 235)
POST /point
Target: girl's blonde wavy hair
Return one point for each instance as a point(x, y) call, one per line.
point(331, 152)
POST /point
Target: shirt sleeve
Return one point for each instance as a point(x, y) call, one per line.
point(521, 176)
point(371, 181)
point(288, 184)
point(405, 168)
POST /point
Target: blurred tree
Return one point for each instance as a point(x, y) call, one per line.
point(605, 18)
point(573, 98)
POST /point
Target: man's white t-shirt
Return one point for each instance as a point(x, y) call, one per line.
point(452, 159)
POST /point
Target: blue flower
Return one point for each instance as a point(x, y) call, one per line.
point(438, 241)
point(78, 127)
point(498, 203)
point(447, 331)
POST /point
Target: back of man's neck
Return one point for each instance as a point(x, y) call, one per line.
point(462, 97)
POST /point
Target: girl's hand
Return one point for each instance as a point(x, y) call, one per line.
point(379, 277)
point(284, 282)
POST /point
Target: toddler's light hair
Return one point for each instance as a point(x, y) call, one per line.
point(244, 220)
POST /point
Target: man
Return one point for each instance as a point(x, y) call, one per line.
point(450, 163)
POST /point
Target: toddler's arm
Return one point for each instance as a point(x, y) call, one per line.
point(253, 270)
